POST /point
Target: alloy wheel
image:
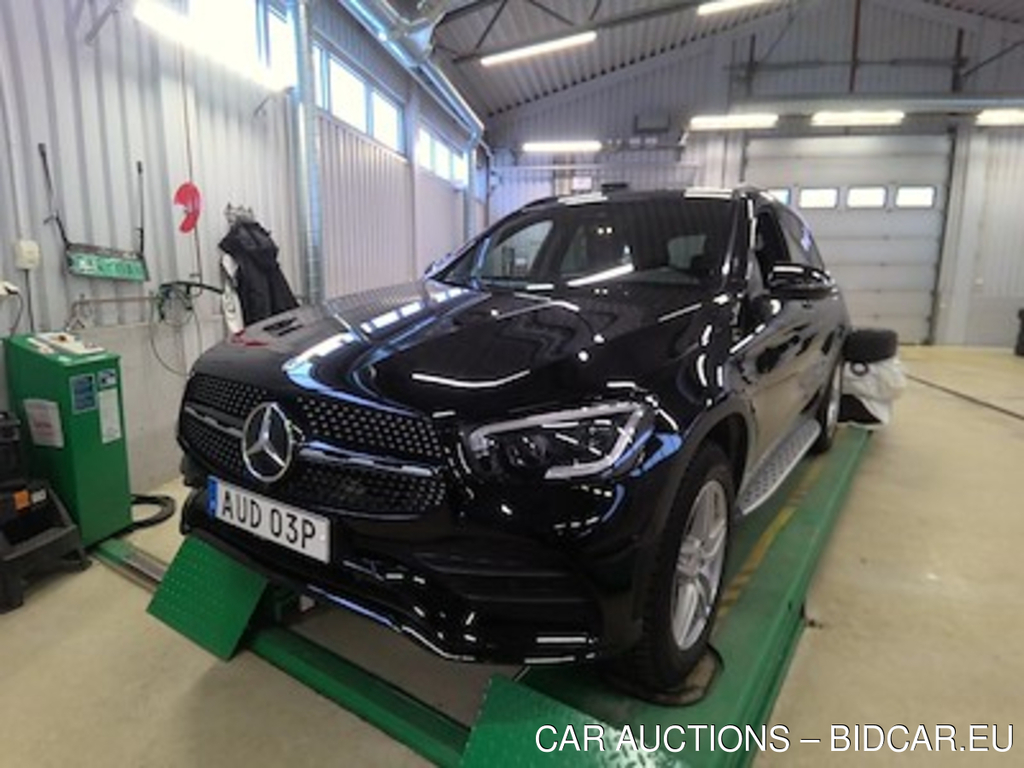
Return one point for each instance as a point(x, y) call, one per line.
point(699, 565)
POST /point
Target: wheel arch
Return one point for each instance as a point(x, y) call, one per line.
point(732, 435)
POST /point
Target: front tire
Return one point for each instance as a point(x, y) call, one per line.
point(683, 595)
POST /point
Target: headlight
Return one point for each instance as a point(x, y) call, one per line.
point(563, 445)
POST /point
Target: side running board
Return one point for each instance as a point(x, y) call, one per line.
point(774, 470)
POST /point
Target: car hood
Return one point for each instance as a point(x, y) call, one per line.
point(434, 347)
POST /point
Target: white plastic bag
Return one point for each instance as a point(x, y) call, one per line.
point(875, 386)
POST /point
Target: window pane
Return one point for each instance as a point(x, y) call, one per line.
point(348, 96)
point(215, 17)
point(460, 169)
point(282, 48)
point(866, 197)
point(442, 160)
point(319, 87)
point(915, 197)
point(782, 194)
point(819, 198)
point(424, 149)
point(514, 254)
point(386, 123)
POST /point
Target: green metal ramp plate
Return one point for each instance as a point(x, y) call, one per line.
point(773, 558)
point(208, 597)
point(506, 734)
point(424, 729)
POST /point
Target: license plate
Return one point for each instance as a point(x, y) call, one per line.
point(291, 528)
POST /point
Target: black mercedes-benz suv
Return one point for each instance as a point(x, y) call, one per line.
point(535, 453)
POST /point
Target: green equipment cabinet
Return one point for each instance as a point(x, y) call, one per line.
point(68, 395)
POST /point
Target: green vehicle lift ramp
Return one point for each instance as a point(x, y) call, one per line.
point(214, 600)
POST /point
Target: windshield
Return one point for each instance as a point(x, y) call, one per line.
point(656, 241)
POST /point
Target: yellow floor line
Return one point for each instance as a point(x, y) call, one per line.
point(732, 592)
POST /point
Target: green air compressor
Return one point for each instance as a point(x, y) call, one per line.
point(68, 395)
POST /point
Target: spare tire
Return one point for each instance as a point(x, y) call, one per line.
point(870, 345)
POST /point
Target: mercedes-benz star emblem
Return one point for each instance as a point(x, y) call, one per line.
point(268, 442)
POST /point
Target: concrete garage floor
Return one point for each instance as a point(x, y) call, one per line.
point(917, 599)
point(918, 595)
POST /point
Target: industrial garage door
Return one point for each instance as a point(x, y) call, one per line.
point(877, 207)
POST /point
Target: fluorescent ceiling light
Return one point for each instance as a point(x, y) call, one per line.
point(752, 121)
point(856, 117)
point(539, 49)
point(557, 147)
point(992, 117)
point(720, 6)
point(204, 41)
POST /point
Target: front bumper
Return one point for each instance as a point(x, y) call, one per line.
point(470, 585)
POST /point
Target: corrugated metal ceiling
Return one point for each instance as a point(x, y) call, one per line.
point(1000, 10)
point(629, 31)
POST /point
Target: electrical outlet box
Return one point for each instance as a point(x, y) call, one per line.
point(26, 254)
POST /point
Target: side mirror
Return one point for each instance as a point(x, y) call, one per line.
point(799, 281)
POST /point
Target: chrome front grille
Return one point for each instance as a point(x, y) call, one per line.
point(347, 425)
point(404, 480)
point(230, 398)
point(362, 490)
point(217, 448)
point(364, 429)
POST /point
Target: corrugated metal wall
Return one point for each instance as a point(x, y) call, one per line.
point(995, 246)
point(385, 219)
point(130, 96)
point(100, 108)
point(439, 215)
point(367, 212)
point(1002, 246)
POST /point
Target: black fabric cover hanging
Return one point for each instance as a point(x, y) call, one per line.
point(262, 287)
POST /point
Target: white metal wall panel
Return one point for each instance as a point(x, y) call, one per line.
point(1002, 248)
point(514, 186)
point(705, 162)
point(439, 213)
point(886, 259)
point(998, 290)
point(368, 239)
point(99, 109)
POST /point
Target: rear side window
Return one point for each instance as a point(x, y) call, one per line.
point(684, 249)
point(802, 248)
